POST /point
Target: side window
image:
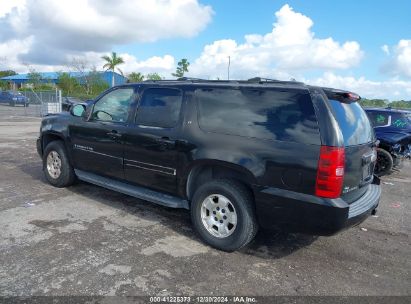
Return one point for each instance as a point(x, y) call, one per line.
point(266, 114)
point(378, 119)
point(159, 107)
point(114, 105)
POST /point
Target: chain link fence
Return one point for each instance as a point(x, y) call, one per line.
point(42, 103)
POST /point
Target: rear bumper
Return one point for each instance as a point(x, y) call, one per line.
point(309, 214)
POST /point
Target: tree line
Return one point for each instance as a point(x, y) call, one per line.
point(89, 84)
point(383, 103)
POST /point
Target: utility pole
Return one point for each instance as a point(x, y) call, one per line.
point(228, 68)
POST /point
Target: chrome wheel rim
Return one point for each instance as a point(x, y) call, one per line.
point(218, 215)
point(54, 164)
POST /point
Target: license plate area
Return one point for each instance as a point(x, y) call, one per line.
point(367, 166)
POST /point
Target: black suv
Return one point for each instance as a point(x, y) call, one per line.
point(237, 154)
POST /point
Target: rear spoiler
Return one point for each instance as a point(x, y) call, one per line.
point(341, 96)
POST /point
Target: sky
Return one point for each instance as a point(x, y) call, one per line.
point(359, 45)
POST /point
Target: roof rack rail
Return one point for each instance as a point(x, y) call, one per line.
point(205, 80)
point(267, 80)
point(190, 78)
point(155, 80)
point(260, 79)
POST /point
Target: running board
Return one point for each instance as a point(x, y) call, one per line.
point(136, 191)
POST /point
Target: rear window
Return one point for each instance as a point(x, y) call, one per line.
point(353, 122)
point(265, 114)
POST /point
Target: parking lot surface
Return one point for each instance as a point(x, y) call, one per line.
point(86, 240)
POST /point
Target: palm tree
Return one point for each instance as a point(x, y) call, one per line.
point(111, 64)
point(182, 67)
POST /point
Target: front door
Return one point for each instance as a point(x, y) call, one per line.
point(98, 141)
point(152, 146)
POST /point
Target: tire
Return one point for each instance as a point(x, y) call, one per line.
point(239, 199)
point(65, 176)
point(384, 162)
point(12, 103)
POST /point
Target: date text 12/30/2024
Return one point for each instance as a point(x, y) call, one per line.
point(202, 299)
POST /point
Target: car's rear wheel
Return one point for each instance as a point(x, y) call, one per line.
point(56, 165)
point(384, 162)
point(222, 212)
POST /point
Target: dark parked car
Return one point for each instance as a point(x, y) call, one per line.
point(390, 120)
point(13, 98)
point(393, 129)
point(68, 102)
point(238, 154)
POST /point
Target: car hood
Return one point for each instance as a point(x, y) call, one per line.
point(393, 137)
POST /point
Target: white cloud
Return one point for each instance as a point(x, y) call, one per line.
point(48, 34)
point(8, 5)
point(390, 89)
point(163, 65)
point(385, 48)
point(290, 47)
point(60, 29)
point(400, 62)
point(9, 53)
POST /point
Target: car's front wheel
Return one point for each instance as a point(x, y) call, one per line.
point(384, 163)
point(222, 212)
point(56, 165)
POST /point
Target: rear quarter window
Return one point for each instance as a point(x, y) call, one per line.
point(353, 121)
point(265, 114)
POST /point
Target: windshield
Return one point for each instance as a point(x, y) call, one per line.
point(401, 120)
point(353, 122)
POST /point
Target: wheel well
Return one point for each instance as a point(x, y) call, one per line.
point(48, 138)
point(203, 173)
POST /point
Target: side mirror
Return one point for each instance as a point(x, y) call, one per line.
point(78, 110)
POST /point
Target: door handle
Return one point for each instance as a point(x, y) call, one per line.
point(114, 134)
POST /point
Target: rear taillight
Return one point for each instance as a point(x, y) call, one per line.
point(330, 172)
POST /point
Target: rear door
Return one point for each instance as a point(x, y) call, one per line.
point(359, 140)
point(152, 145)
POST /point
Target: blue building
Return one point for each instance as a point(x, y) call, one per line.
point(20, 80)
